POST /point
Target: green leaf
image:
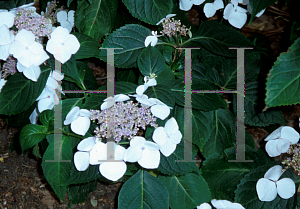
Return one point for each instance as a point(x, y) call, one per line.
point(79, 193)
point(125, 87)
point(131, 39)
point(19, 93)
point(88, 46)
point(31, 135)
point(201, 125)
point(70, 70)
point(170, 166)
point(21, 119)
point(95, 19)
point(151, 61)
point(36, 151)
point(223, 176)
point(10, 4)
point(258, 5)
point(81, 177)
point(149, 11)
point(217, 38)
point(284, 78)
point(95, 100)
point(86, 75)
point(252, 116)
point(126, 75)
point(295, 32)
point(188, 191)
point(246, 191)
point(57, 173)
point(143, 190)
point(223, 134)
point(47, 119)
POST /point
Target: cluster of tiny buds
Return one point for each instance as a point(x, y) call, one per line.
point(124, 120)
point(52, 10)
point(294, 160)
point(28, 19)
point(171, 26)
point(9, 67)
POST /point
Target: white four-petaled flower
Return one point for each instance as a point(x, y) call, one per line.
point(148, 82)
point(66, 20)
point(268, 187)
point(210, 9)
point(82, 157)
point(235, 14)
point(186, 5)
point(279, 140)
point(62, 44)
point(167, 137)
point(144, 152)
point(79, 120)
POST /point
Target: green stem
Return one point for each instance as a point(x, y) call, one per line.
point(123, 143)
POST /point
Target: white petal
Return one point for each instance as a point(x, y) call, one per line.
point(228, 11)
point(81, 160)
point(59, 34)
point(34, 116)
point(119, 152)
point(4, 51)
point(45, 104)
point(137, 141)
point(53, 46)
point(176, 137)
point(197, 2)
point(17, 49)
point(209, 10)
point(286, 188)
point(71, 17)
point(185, 5)
point(151, 146)
point(238, 19)
point(26, 37)
point(275, 134)
point(2, 83)
point(103, 106)
point(7, 18)
point(81, 125)
point(290, 134)
point(160, 111)
point(220, 203)
point(271, 148)
point(260, 13)
point(63, 55)
point(151, 39)
point(266, 190)
point(168, 148)
point(171, 126)
point(150, 159)
point(84, 113)
point(87, 144)
point(143, 99)
point(72, 115)
point(62, 16)
point(283, 145)
point(121, 97)
point(133, 154)
point(5, 36)
point(273, 173)
point(151, 82)
point(72, 44)
point(218, 4)
point(36, 48)
point(204, 206)
point(57, 76)
point(40, 58)
point(160, 136)
point(32, 73)
point(27, 58)
point(67, 25)
point(113, 170)
point(97, 153)
point(141, 89)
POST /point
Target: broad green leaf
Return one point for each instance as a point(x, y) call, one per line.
point(31, 135)
point(149, 11)
point(81, 177)
point(57, 173)
point(201, 125)
point(258, 5)
point(217, 38)
point(223, 133)
point(143, 190)
point(19, 93)
point(161, 92)
point(223, 176)
point(10, 4)
point(88, 46)
point(47, 119)
point(171, 166)
point(70, 70)
point(246, 191)
point(126, 75)
point(188, 191)
point(79, 193)
point(21, 119)
point(125, 88)
point(283, 81)
point(95, 19)
point(86, 75)
point(131, 38)
point(253, 117)
point(151, 61)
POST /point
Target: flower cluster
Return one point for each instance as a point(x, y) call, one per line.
point(171, 27)
point(27, 19)
point(125, 118)
point(293, 161)
point(9, 67)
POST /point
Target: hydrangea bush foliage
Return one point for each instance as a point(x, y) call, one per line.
point(139, 135)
